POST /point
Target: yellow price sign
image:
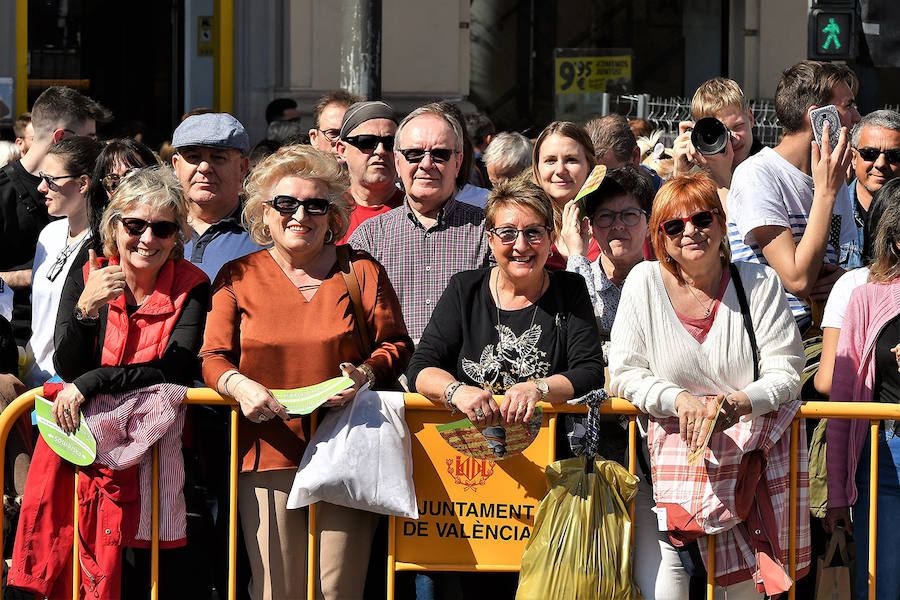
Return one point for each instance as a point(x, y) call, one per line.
point(590, 74)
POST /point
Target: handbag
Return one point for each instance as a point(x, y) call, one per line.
point(360, 457)
point(834, 582)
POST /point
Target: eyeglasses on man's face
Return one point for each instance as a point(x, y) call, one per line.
point(872, 154)
point(438, 155)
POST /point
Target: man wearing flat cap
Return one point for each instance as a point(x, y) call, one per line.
point(366, 145)
point(211, 162)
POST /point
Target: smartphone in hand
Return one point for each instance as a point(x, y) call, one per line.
point(826, 114)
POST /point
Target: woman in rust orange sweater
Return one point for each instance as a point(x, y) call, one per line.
point(283, 318)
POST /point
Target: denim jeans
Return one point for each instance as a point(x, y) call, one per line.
point(887, 566)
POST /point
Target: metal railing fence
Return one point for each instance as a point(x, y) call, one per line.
point(874, 412)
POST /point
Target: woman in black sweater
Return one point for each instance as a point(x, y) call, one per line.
point(514, 329)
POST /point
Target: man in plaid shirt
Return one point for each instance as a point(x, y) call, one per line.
point(431, 236)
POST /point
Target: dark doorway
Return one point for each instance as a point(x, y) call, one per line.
point(126, 55)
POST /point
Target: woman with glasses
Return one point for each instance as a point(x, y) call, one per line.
point(128, 321)
point(65, 183)
point(118, 159)
point(866, 370)
point(692, 332)
point(142, 278)
point(562, 159)
point(516, 329)
point(283, 318)
point(616, 216)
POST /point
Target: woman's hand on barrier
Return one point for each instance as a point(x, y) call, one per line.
point(519, 402)
point(837, 517)
point(257, 402)
point(694, 417)
point(477, 404)
point(733, 408)
point(65, 408)
point(102, 285)
point(576, 232)
point(345, 396)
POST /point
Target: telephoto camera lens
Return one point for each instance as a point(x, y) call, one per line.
point(709, 136)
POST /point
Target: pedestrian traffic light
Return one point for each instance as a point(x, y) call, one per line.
point(832, 32)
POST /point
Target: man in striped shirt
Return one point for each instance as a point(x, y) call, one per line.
point(431, 236)
point(788, 207)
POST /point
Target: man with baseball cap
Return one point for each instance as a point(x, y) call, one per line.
point(366, 145)
point(211, 162)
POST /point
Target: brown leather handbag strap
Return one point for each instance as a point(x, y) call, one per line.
point(347, 270)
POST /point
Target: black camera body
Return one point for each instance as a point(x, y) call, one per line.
point(709, 136)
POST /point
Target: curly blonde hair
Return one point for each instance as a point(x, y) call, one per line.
point(301, 161)
point(155, 187)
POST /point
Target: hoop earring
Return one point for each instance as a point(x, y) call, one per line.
point(266, 231)
point(329, 237)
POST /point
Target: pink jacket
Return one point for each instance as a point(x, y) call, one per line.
point(871, 307)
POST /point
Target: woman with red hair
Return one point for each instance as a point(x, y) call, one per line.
point(738, 360)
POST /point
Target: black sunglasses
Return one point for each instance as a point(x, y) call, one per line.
point(872, 154)
point(365, 141)
point(51, 180)
point(288, 205)
point(160, 229)
point(701, 220)
point(438, 155)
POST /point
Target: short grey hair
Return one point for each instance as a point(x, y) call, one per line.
point(433, 109)
point(509, 150)
point(889, 119)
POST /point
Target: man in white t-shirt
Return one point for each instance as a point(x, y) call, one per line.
point(788, 207)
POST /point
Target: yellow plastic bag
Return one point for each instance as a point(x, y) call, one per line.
point(580, 546)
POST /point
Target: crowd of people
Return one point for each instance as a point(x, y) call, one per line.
point(697, 286)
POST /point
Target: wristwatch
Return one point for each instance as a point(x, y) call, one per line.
point(543, 388)
point(82, 317)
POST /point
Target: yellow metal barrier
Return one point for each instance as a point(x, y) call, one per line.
point(873, 412)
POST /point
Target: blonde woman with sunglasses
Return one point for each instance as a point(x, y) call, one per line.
point(283, 318)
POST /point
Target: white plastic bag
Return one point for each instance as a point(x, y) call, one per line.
point(360, 457)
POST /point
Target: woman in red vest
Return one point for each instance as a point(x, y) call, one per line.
point(136, 317)
point(127, 321)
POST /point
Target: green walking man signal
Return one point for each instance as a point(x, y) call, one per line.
point(833, 30)
point(831, 34)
